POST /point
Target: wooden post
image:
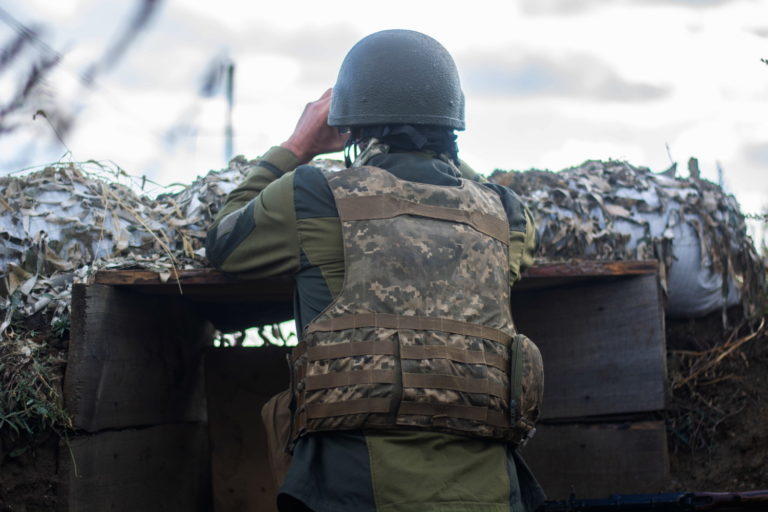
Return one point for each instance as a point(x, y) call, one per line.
point(134, 387)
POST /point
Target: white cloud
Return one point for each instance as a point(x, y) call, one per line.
point(570, 7)
point(518, 71)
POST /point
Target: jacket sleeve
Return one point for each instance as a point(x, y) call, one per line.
point(468, 173)
point(523, 239)
point(530, 243)
point(523, 242)
point(254, 233)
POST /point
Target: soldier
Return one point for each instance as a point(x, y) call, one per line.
point(410, 390)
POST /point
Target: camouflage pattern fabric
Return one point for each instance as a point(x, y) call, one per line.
point(527, 371)
point(420, 335)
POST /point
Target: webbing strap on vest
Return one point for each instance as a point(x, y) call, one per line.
point(338, 379)
point(358, 406)
point(387, 348)
point(383, 405)
point(410, 380)
point(455, 383)
point(468, 412)
point(417, 323)
point(459, 355)
point(387, 207)
point(345, 349)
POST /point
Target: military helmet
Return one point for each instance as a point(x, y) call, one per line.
point(397, 77)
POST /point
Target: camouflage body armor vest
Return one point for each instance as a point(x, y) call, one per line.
point(421, 335)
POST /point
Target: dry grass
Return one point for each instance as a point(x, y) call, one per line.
point(31, 370)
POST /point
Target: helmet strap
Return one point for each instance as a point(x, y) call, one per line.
point(349, 146)
point(451, 163)
point(373, 148)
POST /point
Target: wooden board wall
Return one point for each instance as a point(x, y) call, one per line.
point(604, 354)
point(602, 344)
point(160, 468)
point(599, 459)
point(134, 380)
point(134, 387)
point(133, 360)
point(239, 383)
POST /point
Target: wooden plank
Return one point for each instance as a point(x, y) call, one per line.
point(602, 344)
point(161, 468)
point(192, 278)
point(233, 303)
point(592, 268)
point(210, 276)
point(228, 302)
point(598, 460)
point(133, 360)
point(239, 382)
point(120, 277)
point(257, 290)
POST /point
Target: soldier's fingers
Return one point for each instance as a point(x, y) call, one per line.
point(327, 93)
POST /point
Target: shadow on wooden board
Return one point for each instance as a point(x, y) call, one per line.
point(134, 360)
point(596, 460)
point(134, 388)
point(159, 468)
point(239, 382)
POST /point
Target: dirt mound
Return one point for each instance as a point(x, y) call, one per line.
point(718, 405)
point(28, 479)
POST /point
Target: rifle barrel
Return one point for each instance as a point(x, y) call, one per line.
point(665, 502)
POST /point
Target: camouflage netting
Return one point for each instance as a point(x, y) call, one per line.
point(62, 223)
point(58, 226)
point(615, 211)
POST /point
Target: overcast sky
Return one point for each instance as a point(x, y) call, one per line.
point(549, 83)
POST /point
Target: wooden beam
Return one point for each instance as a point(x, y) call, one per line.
point(591, 268)
point(201, 285)
point(133, 360)
point(600, 459)
point(213, 277)
point(233, 303)
point(126, 277)
point(192, 277)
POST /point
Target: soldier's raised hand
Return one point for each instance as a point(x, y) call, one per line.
point(312, 135)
